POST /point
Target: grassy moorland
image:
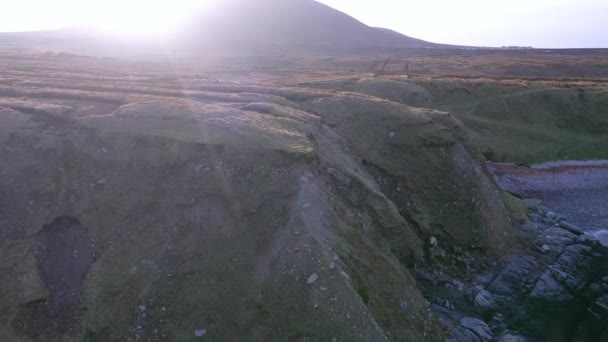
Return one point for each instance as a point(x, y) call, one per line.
point(284, 197)
point(528, 121)
point(251, 209)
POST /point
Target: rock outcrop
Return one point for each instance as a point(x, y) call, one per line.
point(557, 280)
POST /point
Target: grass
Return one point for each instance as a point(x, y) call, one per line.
point(517, 211)
point(527, 122)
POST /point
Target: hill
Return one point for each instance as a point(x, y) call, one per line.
point(291, 22)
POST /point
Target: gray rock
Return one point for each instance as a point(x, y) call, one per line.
point(477, 326)
point(512, 338)
point(571, 228)
point(531, 203)
point(529, 227)
point(312, 279)
point(558, 236)
point(460, 334)
point(548, 288)
point(515, 280)
point(200, 332)
point(485, 300)
point(433, 241)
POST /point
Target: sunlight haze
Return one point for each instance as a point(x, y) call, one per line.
point(538, 23)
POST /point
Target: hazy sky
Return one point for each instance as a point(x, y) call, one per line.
point(539, 23)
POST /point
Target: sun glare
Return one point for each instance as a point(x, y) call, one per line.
point(139, 16)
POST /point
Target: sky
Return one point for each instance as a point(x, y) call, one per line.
point(538, 23)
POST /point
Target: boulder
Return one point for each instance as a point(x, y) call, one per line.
point(477, 326)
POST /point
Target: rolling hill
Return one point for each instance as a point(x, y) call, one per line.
point(288, 22)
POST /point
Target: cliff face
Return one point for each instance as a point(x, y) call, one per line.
point(130, 210)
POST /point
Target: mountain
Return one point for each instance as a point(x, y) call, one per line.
point(287, 22)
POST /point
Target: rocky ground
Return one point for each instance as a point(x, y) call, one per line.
point(557, 278)
point(554, 289)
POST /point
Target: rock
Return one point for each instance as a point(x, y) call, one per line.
point(545, 248)
point(571, 228)
point(515, 280)
point(485, 300)
point(477, 326)
point(558, 236)
point(512, 338)
point(433, 241)
point(529, 227)
point(531, 204)
point(332, 265)
point(312, 279)
point(548, 288)
point(460, 334)
point(200, 332)
point(392, 134)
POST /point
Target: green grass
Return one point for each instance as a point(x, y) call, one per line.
point(517, 211)
point(528, 122)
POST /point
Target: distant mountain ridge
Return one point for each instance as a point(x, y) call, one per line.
point(288, 22)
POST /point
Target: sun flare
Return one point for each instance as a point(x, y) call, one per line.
point(139, 16)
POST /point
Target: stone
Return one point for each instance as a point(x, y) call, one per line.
point(512, 338)
point(433, 241)
point(531, 204)
point(529, 227)
point(571, 228)
point(558, 236)
point(485, 300)
point(460, 334)
point(200, 332)
point(478, 327)
point(548, 288)
point(312, 279)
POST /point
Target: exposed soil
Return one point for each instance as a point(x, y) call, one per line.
point(64, 255)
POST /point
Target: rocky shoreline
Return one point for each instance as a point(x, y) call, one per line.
point(555, 289)
point(554, 286)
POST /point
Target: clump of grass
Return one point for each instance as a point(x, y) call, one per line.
point(515, 208)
